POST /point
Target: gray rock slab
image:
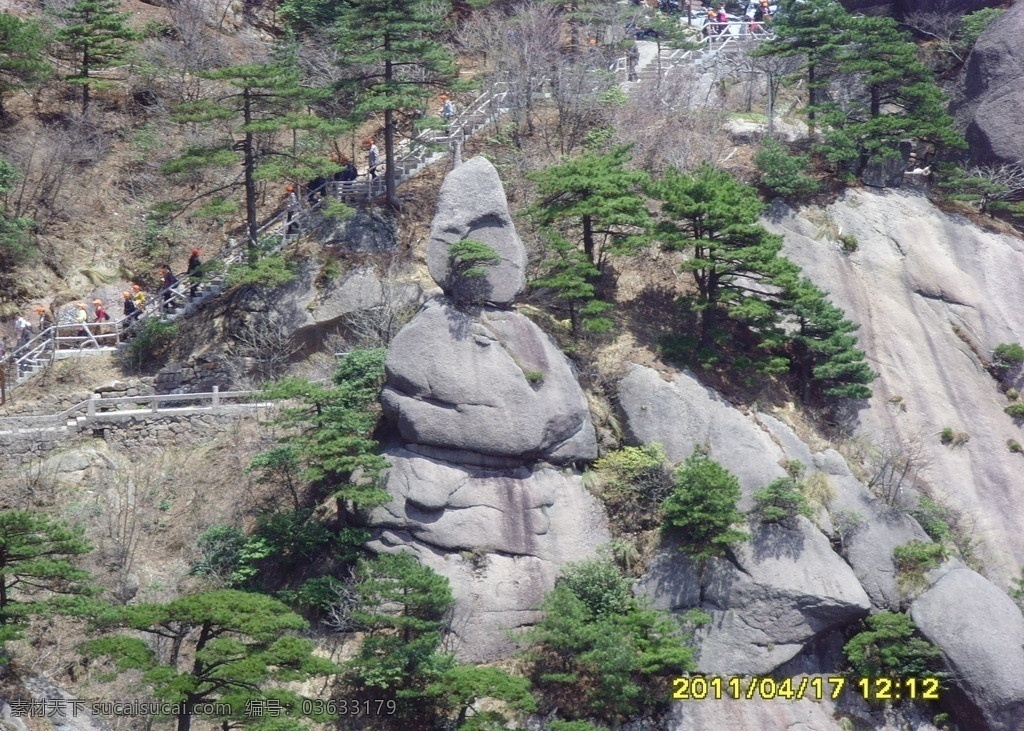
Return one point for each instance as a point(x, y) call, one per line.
point(786, 587)
point(870, 531)
point(682, 414)
point(776, 594)
point(371, 230)
point(499, 536)
point(931, 293)
point(981, 634)
point(472, 205)
point(491, 383)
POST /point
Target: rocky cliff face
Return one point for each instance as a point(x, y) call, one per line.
point(485, 404)
point(484, 401)
point(934, 295)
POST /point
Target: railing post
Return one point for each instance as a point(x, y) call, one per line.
point(154, 404)
point(216, 397)
point(90, 409)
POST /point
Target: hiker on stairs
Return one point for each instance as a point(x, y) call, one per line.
point(168, 282)
point(291, 205)
point(130, 311)
point(100, 315)
point(23, 330)
point(193, 272)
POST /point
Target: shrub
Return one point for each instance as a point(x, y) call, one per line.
point(632, 482)
point(935, 519)
point(632, 468)
point(270, 271)
point(1016, 410)
point(149, 344)
point(819, 490)
point(469, 257)
point(781, 501)
point(953, 438)
point(888, 646)
point(1012, 394)
point(1014, 446)
point(849, 242)
point(1007, 356)
point(782, 172)
point(599, 584)
point(914, 559)
point(701, 510)
point(614, 653)
point(220, 548)
point(534, 378)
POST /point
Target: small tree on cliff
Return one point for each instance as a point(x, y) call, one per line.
point(395, 60)
point(37, 566)
point(331, 430)
point(97, 38)
point(701, 511)
point(734, 261)
point(594, 201)
point(227, 646)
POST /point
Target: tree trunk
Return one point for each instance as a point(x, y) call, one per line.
point(248, 149)
point(588, 239)
point(85, 86)
point(709, 316)
point(185, 718)
point(812, 98)
point(390, 185)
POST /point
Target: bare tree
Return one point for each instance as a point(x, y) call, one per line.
point(374, 327)
point(48, 161)
point(895, 465)
point(520, 49)
point(339, 610)
point(124, 530)
point(266, 345)
point(998, 184)
point(672, 124)
point(771, 69)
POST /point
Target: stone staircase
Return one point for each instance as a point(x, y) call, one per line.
point(67, 340)
point(659, 64)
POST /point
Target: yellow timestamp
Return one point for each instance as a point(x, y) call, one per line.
point(716, 687)
point(899, 689)
point(816, 687)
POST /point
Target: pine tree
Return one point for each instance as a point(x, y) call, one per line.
point(22, 43)
point(611, 650)
point(888, 95)
point(331, 431)
point(595, 200)
point(257, 101)
point(37, 557)
point(570, 274)
point(402, 607)
point(396, 60)
point(734, 261)
point(824, 347)
point(701, 511)
point(811, 30)
point(233, 647)
point(894, 96)
point(97, 39)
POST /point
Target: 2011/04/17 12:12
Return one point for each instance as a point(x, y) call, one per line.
point(816, 688)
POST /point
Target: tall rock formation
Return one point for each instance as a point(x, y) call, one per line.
point(992, 105)
point(472, 205)
point(484, 403)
